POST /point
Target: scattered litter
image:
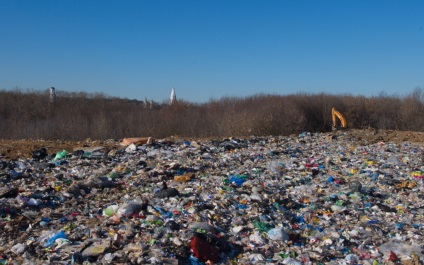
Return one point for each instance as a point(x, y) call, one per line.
point(306, 199)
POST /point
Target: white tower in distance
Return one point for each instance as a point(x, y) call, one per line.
point(52, 96)
point(173, 97)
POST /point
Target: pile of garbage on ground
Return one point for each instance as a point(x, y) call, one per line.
point(306, 199)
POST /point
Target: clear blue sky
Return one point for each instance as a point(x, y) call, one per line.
point(211, 49)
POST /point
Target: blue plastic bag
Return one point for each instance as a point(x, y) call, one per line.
point(238, 180)
point(194, 261)
point(51, 241)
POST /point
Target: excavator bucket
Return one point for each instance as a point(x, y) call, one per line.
point(335, 114)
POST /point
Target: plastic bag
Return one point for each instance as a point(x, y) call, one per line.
point(110, 210)
point(52, 240)
point(128, 209)
point(60, 155)
point(278, 234)
point(18, 249)
point(237, 179)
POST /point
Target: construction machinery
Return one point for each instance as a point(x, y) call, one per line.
point(335, 114)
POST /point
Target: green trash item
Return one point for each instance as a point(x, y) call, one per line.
point(158, 223)
point(60, 155)
point(113, 175)
point(262, 227)
point(145, 222)
point(339, 202)
point(67, 181)
point(227, 188)
point(109, 211)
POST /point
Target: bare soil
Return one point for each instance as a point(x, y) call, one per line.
point(14, 149)
point(373, 136)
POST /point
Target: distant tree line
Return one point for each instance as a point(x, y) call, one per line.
point(77, 116)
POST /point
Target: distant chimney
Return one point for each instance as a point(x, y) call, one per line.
point(173, 97)
point(145, 102)
point(52, 96)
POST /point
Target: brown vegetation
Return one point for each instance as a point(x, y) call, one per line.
point(77, 116)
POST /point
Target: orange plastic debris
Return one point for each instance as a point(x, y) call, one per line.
point(137, 141)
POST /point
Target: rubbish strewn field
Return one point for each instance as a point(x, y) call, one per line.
point(348, 197)
point(14, 149)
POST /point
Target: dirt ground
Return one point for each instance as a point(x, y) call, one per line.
point(374, 136)
point(14, 149)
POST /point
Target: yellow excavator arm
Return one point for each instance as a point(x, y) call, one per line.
point(334, 114)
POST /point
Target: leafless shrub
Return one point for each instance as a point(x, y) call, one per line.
point(78, 115)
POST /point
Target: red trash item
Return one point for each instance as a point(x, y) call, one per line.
point(203, 250)
point(393, 256)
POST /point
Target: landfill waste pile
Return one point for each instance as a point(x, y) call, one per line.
point(313, 198)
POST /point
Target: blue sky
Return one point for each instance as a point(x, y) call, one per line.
point(211, 49)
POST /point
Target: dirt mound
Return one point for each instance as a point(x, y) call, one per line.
point(374, 136)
